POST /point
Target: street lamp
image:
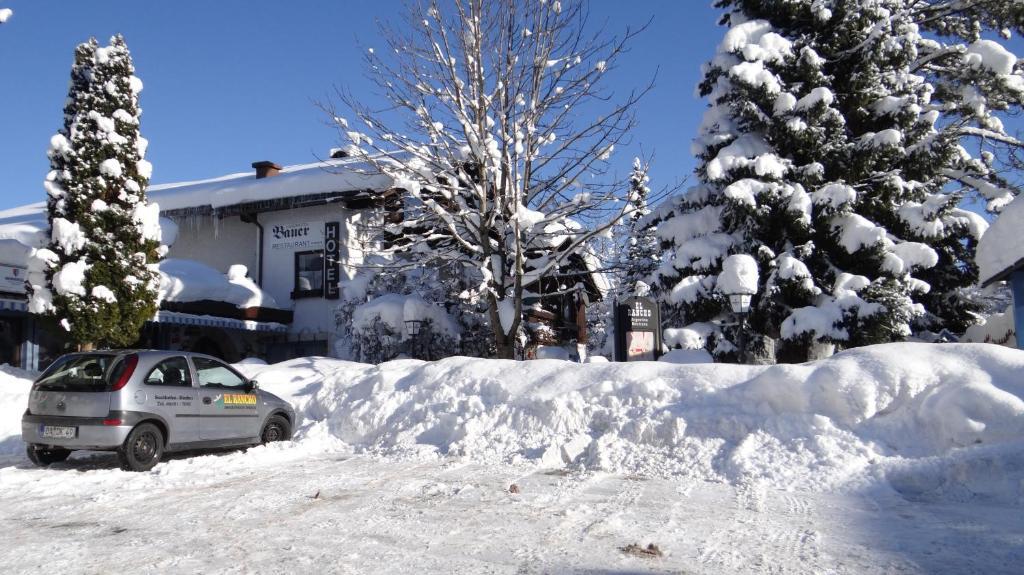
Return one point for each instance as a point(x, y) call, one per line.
point(412, 329)
point(740, 303)
point(739, 282)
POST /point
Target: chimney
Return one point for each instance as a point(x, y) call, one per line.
point(265, 169)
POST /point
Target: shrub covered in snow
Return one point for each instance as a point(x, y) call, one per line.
point(380, 329)
point(834, 134)
point(99, 274)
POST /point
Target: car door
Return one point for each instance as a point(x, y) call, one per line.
point(171, 395)
point(227, 409)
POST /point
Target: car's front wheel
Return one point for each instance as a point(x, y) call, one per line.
point(276, 429)
point(43, 456)
point(142, 449)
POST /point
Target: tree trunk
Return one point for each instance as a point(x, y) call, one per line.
point(506, 349)
point(504, 344)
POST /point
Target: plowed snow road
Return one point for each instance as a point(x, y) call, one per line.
point(283, 510)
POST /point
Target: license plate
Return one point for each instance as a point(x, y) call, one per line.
point(58, 431)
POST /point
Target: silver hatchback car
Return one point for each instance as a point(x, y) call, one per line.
point(143, 404)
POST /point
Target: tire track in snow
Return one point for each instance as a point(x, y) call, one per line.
point(583, 509)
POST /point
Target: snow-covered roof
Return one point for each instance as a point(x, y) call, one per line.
point(26, 225)
point(1001, 249)
point(335, 175)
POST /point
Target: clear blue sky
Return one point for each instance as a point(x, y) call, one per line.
point(229, 82)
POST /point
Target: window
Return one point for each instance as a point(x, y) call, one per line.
point(85, 372)
point(172, 372)
point(309, 274)
point(212, 373)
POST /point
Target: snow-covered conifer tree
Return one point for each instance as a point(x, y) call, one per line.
point(642, 251)
point(99, 276)
point(507, 131)
point(840, 139)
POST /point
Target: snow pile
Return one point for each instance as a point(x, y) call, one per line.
point(934, 421)
point(1002, 246)
point(189, 280)
point(821, 425)
point(687, 356)
point(14, 387)
point(739, 275)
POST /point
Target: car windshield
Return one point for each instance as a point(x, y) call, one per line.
point(82, 372)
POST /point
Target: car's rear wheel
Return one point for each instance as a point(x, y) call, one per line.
point(276, 429)
point(44, 456)
point(142, 449)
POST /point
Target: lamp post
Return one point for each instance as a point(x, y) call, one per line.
point(412, 329)
point(739, 282)
point(740, 303)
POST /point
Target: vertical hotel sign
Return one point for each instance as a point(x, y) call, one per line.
point(332, 259)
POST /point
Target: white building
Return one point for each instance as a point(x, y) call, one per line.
point(301, 232)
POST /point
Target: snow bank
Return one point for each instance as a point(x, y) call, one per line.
point(833, 423)
point(932, 421)
point(14, 387)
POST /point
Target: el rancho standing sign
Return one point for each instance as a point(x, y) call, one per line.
point(637, 330)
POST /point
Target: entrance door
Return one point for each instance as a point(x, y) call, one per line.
point(226, 410)
point(10, 340)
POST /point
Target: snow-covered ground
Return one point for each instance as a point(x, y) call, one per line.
point(904, 458)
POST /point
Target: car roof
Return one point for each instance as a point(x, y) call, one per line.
point(146, 352)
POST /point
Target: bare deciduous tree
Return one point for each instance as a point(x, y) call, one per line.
point(499, 125)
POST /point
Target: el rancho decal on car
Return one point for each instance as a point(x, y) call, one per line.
point(235, 401)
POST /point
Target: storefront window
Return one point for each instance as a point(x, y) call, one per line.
point(309, 274)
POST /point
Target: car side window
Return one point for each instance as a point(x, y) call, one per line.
point(171, 372)
point(212, 373)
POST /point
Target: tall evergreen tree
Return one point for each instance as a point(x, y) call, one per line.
point(642, 250)
point(836, 151)
point(99, 275)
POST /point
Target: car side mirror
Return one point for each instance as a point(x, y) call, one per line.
point(251, 385)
